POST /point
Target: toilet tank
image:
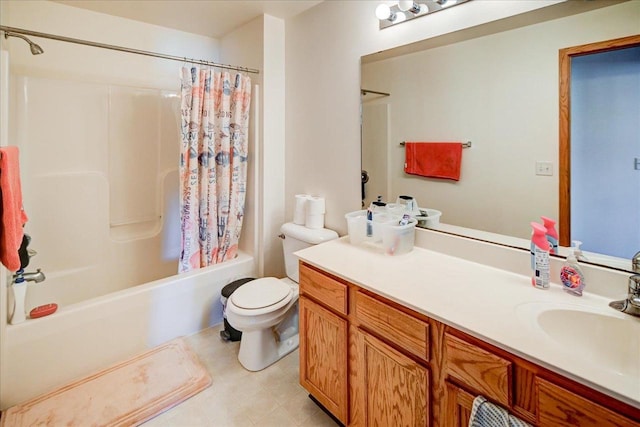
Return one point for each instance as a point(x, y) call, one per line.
point(297, 237)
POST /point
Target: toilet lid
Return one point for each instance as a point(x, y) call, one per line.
point(260, 293)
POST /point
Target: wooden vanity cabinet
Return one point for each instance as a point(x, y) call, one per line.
point(471, 368)
point(458, 406)
point(558, 407)
point(389, 374)
point(482, 371)
point(371, 361)
point(532, 393)
point(388, 388)
point(324, 340)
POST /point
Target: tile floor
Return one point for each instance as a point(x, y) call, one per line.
point(237, 397)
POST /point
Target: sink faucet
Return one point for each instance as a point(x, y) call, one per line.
point(632, 304)
point(635, 263)
point(37, 276)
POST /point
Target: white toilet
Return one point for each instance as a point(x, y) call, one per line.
point(266, 310)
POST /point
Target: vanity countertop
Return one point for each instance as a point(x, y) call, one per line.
point(497, 306)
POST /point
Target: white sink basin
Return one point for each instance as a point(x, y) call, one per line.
point(604, 337)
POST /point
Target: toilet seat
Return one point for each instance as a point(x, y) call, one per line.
point(261, 296)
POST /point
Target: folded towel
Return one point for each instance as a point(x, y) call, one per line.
point(486, 414)
point(13, 217)
point(433, 159)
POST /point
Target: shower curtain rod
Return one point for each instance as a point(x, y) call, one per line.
point(125, 49)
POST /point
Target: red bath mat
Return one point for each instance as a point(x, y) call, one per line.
point(125, 394)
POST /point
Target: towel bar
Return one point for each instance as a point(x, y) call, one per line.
point(464, 144)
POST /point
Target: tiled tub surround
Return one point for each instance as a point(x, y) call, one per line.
point(483, 296)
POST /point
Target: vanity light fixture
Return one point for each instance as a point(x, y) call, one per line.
point(405, 10)
point(413, 7)
point(384, 13)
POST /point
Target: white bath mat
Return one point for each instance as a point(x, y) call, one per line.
point(125, 394)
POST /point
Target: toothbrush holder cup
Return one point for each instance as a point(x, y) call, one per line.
point(398, 239)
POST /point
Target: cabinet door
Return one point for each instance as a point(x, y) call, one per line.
point(393, 389)
point(458, 406)
point(323, 356)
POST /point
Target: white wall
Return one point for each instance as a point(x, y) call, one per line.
point(323, 48)
point(273, 146)
point(375, 136)
point(4, 120)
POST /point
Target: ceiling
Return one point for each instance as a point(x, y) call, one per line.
point(212, 18)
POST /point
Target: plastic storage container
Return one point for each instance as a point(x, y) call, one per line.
point(357, 226)
point(429, 217)
point(398, 239)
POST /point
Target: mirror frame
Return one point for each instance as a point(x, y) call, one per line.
point(564, 224)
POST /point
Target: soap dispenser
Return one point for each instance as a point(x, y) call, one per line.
point(577, 251)
point(571, 274)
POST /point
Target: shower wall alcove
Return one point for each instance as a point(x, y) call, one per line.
point(100, 182)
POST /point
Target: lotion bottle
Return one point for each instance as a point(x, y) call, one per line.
point(571, 274)
point(539, 257)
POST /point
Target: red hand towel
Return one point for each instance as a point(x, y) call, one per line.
point(13, 216)
point(433, 159)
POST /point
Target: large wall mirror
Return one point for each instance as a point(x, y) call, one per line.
point(498, 86)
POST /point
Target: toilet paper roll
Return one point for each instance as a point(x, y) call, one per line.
point(315, 205)
point(314, 221)
point(300, 209)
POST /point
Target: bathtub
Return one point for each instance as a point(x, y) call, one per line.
point(41, 354)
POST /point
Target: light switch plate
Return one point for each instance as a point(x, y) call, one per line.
point(544, 168)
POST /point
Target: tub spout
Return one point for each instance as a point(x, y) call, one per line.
point(37, 276)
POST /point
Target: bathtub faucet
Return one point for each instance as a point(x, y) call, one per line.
point(37, 277)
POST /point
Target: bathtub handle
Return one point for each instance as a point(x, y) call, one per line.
point(281, 235)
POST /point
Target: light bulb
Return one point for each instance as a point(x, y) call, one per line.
point(398, 17)
point(383, 11)
point(413, 7)
point(405, 5)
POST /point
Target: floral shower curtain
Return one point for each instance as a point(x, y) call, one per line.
point(213, 164)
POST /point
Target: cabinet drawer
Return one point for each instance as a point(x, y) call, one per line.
point(560, 407)
point(482, 371)
point(323, 289)
point(406, 331)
